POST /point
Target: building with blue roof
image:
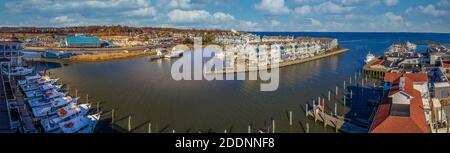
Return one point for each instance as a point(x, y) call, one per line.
point(83, 42)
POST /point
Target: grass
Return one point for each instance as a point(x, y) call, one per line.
point(107, 56)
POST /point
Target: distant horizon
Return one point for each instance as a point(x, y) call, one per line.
point(196, 28)
point(419, 16)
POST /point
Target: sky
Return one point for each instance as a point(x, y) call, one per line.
point(246, 15)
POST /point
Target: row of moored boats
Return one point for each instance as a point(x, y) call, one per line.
point(54, 109)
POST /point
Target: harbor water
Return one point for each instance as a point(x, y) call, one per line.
point(145, 89)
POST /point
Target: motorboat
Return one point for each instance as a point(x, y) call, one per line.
point(63, 114)
point(51, 107)
point(370, 57)
point(18, 71)
point(174, 54)
point(79, 123)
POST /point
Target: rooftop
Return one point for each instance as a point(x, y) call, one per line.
point(397, 117)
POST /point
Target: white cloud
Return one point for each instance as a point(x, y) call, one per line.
point(431, 10)
point(303, 10)
point(142, 12)
point(274, 7)
point(185, 4)
point(274, 23)
point(443, 3)
point(222, 17)
point(330, 7)
point(191, 16)
point(315, 23)
point(391, 2)
point(248, 26)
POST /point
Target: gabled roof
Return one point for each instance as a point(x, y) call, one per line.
point(385, 122)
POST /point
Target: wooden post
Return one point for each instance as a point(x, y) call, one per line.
point(344, 86)
point(173, 131)
point(290, 116)
point(329, 95)
point(249, 128)
point(225, 131)
point(306, 110)
point(87, 98)
point(337, 89)
point(129, 123)
point(149, 127)
point(350, 80)
point(273, 125)
point(307, 127)
point(76, 93)
point(351, 94)
point(112, 116)
point(447, 126)
point(335, 109)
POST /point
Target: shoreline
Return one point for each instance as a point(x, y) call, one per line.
point(284, 64)
point(93, 58)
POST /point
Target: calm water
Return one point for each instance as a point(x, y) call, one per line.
point(147, 91)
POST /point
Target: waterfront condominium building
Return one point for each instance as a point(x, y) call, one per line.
point(11, 51)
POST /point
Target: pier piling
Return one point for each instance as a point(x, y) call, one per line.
point(307, 127)
point(337, 89)
point(112, 116)
point(329, 95)
point(76, 93)
point(129, 123)
point(149, 127)
point(290, 116)
point(344, 86)
point(249, 130)
point(335, 109)
point(273, 125)
point(87, 98)
point(350, 81)
point(351, 94)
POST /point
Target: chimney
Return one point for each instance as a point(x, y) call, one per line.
point(402, 83)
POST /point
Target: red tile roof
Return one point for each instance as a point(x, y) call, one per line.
point(415, 77)
point(378, 62)
point(384, 122)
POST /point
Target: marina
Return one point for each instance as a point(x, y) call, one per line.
point(349, 109)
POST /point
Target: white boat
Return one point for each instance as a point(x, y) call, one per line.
point(47, 79)
point(48, 86)
point(36, 102)
point(370, 57)
point(52, 94)
point(411, 46)
point(174, 54)
point(79, 123)
point(52, 106)
point(64, 114)
point(18, 71)
point(91, 126)
point(29, 87)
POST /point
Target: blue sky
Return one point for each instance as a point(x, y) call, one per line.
point(249, 15)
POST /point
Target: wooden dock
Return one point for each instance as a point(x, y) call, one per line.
point(339, 123)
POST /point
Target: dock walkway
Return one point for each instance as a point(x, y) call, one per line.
point(337, 122)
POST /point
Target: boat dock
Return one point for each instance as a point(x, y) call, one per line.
point(334, 121)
